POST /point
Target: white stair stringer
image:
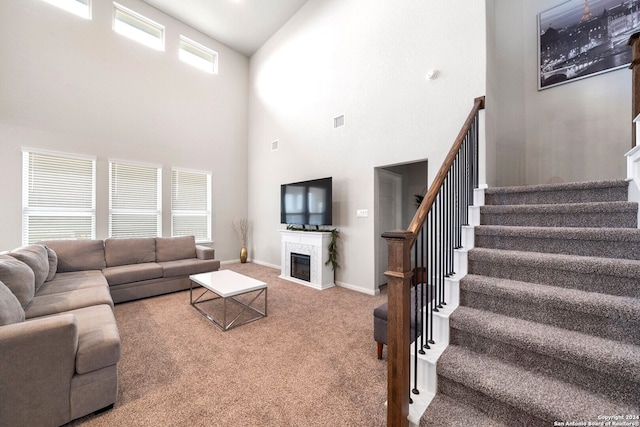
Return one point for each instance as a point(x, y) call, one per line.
point(426, 363)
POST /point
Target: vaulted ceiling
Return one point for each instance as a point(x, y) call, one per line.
point(243, 25)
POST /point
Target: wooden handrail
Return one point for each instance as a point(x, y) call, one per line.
point(399, 275)
point(427, 202)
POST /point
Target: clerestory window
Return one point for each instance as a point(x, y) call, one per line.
point(197, 55)
point(81, 8)
point(137, 27)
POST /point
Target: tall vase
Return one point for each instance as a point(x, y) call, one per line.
point(243, 255)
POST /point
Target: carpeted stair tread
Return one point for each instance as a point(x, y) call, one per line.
point(587, 303)
point(594, 274)
point(620, 214)
point(444, 411)
point(572, 192)
point(598, 354)
point(575, 263)
point(583, 241)
point(532, 393)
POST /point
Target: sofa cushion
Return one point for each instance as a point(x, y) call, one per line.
point(44, 305)
point(73, 280)
point(76, 255)
point(19, 278)
point(10, 309)
point(36, 257)
point(185, 267)
point(129, 251)
point(53, 263)
point(132, 273)
point(98, 338)
point(173, 248)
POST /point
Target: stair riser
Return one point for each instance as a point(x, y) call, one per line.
point(623, 330)
point(608, 194)
point(501, 411)
point(620, 388)
point(546, 275)
point(576, 219)
point(592, 248)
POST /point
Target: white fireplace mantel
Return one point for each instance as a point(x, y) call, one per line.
point(312, 243)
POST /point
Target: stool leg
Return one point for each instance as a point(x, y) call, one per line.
point(380, 350)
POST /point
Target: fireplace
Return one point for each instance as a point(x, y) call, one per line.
point(304, 256)
point(301, 266)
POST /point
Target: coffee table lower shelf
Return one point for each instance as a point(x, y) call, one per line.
point(227, 285)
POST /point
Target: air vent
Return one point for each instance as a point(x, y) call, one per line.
point(338, 121)
point(274, 145)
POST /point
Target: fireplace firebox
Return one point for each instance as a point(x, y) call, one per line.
point(301, 266)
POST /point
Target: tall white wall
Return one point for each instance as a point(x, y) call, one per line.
point(573, 132)
point(73, 85)
point(366, 59)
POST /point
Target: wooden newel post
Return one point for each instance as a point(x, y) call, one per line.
point(635, 87)
point(399, 275)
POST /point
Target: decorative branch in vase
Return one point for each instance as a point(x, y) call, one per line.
point(242, 227)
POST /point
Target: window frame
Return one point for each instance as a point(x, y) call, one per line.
point(157, 211)
point(29, 206)
point(193, 212)
point(134, 27)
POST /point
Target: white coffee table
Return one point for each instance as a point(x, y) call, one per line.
point(227, 285)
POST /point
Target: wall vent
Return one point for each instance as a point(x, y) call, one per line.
point(274, 145)
point(338, 121)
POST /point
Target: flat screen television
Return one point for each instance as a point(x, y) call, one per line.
point(307, 202)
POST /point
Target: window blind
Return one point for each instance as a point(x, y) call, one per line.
point(191, 204)
point(135, 201)
point(58, 196)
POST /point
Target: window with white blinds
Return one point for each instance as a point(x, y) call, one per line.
point(135, 201)
point(58, 196)
point(191, 204)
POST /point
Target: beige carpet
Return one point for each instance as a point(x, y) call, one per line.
point(311, 362)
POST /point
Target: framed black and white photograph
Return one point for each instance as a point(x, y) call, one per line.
point(583, 38)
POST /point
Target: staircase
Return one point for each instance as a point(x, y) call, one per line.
point(547, 331)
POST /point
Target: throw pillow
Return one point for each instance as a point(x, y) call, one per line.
point(10, 309)
point(35, 256)
point(19, 278)
point(53, 263)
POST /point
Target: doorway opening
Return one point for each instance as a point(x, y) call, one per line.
point(396, 188)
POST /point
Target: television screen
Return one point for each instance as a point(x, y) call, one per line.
point(306, 202)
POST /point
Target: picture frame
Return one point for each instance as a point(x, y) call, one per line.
point(583, 38)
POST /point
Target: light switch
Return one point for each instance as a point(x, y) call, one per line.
point(362, 213)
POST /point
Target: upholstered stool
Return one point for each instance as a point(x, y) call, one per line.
point(381, 313)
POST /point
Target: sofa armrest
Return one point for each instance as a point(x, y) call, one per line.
point(37, 362)
point(205, 252)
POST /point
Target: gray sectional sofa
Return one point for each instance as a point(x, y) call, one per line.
point(59, 341)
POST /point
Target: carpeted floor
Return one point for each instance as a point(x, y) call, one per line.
point(311, 362)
